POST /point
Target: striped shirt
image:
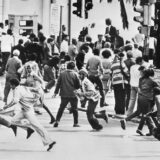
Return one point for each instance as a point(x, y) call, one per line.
point(117, 76)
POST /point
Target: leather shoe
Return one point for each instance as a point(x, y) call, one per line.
point(123, 124)
point(56, 124)
point(52, 120)
point(140, 132)
point(29, 132)
point(76, 125)
point(14, 128)
point(51, 145)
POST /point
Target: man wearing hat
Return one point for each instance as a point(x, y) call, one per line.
point(12, 67)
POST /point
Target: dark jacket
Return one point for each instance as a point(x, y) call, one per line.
point(68, 81)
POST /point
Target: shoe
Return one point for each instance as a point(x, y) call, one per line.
point(140, 132)
point(46, 91)
point(123, 124)
point(29, 132)
point(14, 128)
point(105, 117)
point(76, 125)
point(99, 128)
point(51, 145)
point(149, 134)
point(105, 104)
point(52, 120)
point(56, 124)
point(38, 112)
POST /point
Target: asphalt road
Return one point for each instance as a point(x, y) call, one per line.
point(82, 143)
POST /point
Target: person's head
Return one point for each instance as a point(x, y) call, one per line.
point(108, 22)
point(62, 55)
point(32, 36)
point(84, 48)
point(83, 73)
point(54, 61)
point(14, 83)
point(88, 39)
point(145, 58)
point(65, 37)
point(139, 60)
point(74, 41)
point(142, 69)
point(129, 54)
point(49, 40)
point(96, 52)
point(148, 73)
point(67, 58)
point(42, 39)
point(9, 31)
point(121, 55)
point(16, 52)
point(29, 68)
point(128, 47)
point(106, 53)
point(107, 45)
point(20, 41)
point(136, 46)
point(100, 37)
point(71, 65)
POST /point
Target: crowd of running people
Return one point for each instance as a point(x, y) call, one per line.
point(80, 72)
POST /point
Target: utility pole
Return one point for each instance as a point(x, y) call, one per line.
point(69, 19)
point(60, 31)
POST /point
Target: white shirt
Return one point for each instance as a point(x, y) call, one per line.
point(134, 75)
point(139, 39)
point(137, 53)
point(25, 97)
point(88, 56)
point(64, 46)
point(7, 42)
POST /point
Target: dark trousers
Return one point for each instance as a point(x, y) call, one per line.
point(5, 56)
point(119, 95)
point(90, 114)
point(128, 91)
point(145, 106)
point(64, 101)
point(96, 80)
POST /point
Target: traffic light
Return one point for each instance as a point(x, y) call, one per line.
point(78, 6)
point(147, 13)
point(87, 6)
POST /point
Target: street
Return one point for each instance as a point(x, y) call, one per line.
point(81, 142)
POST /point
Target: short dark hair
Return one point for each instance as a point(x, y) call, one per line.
point(71, 65)
point(14, 81)
point(85, 48)
point(108, 21)
point(139, 60)
point(106, 53)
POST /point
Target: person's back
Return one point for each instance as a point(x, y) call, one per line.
point(68, 83)
point(13, 65)
point(93, 65)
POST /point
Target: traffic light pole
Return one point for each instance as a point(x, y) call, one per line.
point(69, 19)
point(60, 31)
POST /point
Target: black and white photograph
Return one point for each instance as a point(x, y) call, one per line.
point(79, 79)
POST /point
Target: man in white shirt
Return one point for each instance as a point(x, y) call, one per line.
point(64, 45)
point(7, 42)
point(136, 51)
point(26, 97)
point(134, 82)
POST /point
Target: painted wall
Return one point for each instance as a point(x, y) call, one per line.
point(27, 7)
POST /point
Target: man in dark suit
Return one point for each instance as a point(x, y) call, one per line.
point(111, 31)
point(119, 42)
